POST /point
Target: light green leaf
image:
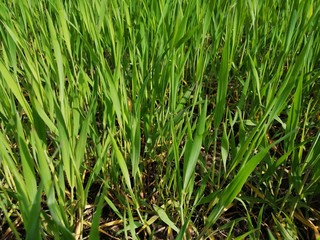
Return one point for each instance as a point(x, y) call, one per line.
point(164, 217)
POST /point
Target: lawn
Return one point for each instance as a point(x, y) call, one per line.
point(148, 119)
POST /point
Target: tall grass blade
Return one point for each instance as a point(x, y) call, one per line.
point(16, 90)
point(122, 164)
point(193, 148)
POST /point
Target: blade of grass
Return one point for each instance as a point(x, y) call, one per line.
point(122, 164)
point(94, 231)
point(164, 217)
point(16, 90)
point(194, 146)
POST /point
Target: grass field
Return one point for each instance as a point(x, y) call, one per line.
point(148, 119)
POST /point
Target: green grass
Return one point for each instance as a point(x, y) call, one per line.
point(159, 119)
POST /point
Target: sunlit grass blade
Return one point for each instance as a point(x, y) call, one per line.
point(132, 225)
point(193, 148)
point(224, 148)
point(256, 78)
point(65, 147)
point(164, 217)
point(122, 164)
point(16, 90)
point(27, 163)
point(64, 26)
point(293, 118)
point(136, 145)
point(223, 80)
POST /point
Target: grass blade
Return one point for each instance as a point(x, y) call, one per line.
point(164, 217)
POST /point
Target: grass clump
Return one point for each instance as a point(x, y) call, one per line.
point(159, 119)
